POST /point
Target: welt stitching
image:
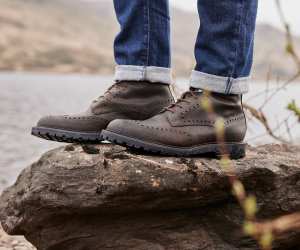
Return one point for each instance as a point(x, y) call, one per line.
point(83, 118)
point(233, 119)
point(163, 129)
point(160, 128)
point(207, 122)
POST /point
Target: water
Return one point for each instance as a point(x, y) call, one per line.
point(24, 98)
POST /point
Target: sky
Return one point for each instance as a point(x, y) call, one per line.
point(267, 11)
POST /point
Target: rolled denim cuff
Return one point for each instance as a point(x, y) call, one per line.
point(143, 73)
point(219, 84)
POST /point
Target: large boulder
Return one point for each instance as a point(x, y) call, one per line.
point(105, 197)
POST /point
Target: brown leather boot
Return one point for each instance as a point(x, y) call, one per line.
point(124, 100)
point(185, 128)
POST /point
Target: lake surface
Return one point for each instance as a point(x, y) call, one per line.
point(24, 98)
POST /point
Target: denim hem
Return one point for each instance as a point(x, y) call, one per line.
point(143, 73)
point(219, 84)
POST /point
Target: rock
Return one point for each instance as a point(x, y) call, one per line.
point(112, 198)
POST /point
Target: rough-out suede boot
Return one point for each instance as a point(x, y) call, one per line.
point(186, 128)
point(124, 100)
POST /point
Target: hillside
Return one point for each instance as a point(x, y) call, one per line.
point(71, 36)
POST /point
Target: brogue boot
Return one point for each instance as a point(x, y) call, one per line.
point(187, 127)
point(123, 100)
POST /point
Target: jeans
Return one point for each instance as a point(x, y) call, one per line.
point(223, 50)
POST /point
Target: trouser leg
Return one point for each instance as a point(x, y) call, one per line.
point(224, 47)
point(142, 48)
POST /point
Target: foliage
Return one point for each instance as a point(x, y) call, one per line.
point(294, 108)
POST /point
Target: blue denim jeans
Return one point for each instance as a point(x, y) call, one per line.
point(223, 50)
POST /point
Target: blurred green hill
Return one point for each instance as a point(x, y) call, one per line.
point(74, 36)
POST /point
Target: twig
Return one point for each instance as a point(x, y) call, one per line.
point(260, 116)
point(283, 86)
point(274, 130)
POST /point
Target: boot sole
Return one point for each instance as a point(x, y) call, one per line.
point(235, 150)
point(66, 136)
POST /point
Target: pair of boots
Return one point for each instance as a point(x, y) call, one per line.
point(145, 116)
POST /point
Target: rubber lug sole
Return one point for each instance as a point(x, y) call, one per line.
point(235, 150)
point(66, 136)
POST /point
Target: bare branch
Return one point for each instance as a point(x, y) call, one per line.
point(260, 116)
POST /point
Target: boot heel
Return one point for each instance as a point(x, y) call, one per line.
point(235, 151)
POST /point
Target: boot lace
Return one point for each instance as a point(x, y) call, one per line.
point(107, 92)
point(180, 101)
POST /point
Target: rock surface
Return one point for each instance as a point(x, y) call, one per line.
point(106, 197)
